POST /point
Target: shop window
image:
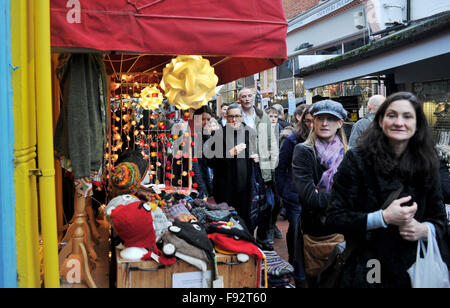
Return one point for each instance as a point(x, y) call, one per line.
point(299, 88)
point(332, 50)
point(285, 70)
point(351, 45)
point(250, 81)
point(436, 105)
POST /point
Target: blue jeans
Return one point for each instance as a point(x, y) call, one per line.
point(293, 212)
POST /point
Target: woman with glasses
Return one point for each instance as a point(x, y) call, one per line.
point(233, 162)
point(313, 166)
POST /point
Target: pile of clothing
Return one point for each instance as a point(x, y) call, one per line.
point(279, 271)
point(166, 227)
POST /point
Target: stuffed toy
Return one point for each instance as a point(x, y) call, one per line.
point(232, 225)
point(189, 242)
point(134, 224)
point(115, 202)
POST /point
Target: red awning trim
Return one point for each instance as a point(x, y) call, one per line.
point(240, 38)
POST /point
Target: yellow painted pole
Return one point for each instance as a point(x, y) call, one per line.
point(45, 144)
point(27, 223)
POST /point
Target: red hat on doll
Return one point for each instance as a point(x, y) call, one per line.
point(134, 225)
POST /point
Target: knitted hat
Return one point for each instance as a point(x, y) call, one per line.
point(115, 202)
point(134, 225)
point(195, 234)
point(160, 222)
point(230, 243)
point(135, 157)
point(232, 225)
point(126, 178)
point(182, 246)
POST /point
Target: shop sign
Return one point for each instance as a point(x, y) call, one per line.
point(323, 12)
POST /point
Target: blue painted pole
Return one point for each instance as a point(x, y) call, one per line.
point(8, 260)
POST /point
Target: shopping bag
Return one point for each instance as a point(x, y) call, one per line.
point(429, 271)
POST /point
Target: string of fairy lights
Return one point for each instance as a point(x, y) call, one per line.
point(188, 83)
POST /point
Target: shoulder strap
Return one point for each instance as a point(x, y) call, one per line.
point(392, 196)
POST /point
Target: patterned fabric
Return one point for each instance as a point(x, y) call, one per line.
point(83, 187)
point(160, 222)
point(331, 155)
point(125, 177)
point(277, 266)
point(173, 211)
point(204, 215)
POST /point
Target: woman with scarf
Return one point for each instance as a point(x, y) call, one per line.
point(233, 162)
point(313, 166)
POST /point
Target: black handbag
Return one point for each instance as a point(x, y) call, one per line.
point(330, 274)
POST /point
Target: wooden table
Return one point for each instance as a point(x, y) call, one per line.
point(149, 274)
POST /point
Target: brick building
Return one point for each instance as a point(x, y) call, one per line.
point(293, 8)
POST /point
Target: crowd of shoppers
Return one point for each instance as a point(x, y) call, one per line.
point(332, 191)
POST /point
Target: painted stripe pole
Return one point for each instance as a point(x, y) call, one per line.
point(47, 191)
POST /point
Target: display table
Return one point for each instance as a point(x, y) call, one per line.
point(149, 274)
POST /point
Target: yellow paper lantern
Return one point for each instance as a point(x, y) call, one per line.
point(151, 98)
point(189, 82)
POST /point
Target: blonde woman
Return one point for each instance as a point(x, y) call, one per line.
point(314, 164)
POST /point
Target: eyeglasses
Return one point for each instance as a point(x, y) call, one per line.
point(232, 117)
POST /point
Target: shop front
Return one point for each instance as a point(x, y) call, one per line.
point(125, 69)
point(413, 59)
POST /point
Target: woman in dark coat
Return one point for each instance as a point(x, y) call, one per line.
point(232, 164)
point(286, 186)
point(313, 166)
point(396, 149)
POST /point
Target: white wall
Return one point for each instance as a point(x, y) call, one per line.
point(329, 30)
point(424, 8)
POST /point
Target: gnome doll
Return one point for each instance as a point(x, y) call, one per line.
point(133, 223)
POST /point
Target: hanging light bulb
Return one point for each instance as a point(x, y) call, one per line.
point(151, 98)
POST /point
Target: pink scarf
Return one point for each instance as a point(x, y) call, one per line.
point(331, 155)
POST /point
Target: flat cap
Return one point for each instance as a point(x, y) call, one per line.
point(329, 106)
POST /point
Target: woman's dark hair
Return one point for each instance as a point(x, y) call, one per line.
point(203, 109)
point(301, 129)
point(418, 161)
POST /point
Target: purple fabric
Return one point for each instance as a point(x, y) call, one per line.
point(331, 155)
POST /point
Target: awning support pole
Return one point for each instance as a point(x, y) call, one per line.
point(47, 193)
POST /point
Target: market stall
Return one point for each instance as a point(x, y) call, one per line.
point(125, 77)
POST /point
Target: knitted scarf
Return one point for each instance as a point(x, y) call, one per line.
point(331, 155)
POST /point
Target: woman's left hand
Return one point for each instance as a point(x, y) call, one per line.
point(255, 158)
point(413, 231)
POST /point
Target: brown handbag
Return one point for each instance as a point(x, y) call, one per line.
point(330, 275)
point(317, 250)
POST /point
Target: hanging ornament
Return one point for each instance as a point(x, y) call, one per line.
point(189, 82)
point(151, 98)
